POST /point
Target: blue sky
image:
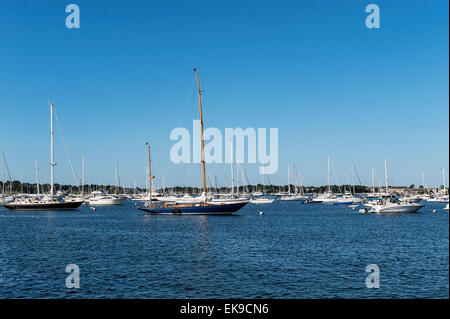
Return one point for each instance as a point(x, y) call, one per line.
point(310, 68)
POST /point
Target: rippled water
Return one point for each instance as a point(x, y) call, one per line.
point(292, 251)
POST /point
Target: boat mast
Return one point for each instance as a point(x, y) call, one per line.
point(373, 182)
point(231, 166)
point(149, 176)
point(443, 178)
point(353, 178)
point(3, 174)
point(37, 175)
point(201, 128)
point(423, 182)
point(386, 175)
point(82, 175)
point(52, 163)
point(329, 176)
point(289, 183)
point(263, 188)
point(295, 180)
point(116, 178)
point(237, 178)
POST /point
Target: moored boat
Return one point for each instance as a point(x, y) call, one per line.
point(262, 200)
point(99, 198)
point(205, 207)
point(395, 207)
point(50, 202)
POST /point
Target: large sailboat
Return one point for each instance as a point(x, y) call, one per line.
point(206, 206)
point(49, 202)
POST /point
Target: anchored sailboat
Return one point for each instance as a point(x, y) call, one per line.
point(49, 202)
point(205, 207)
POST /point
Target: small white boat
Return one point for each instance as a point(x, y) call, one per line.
point(440, 199)
point(410, 199)
point(327, 198)
point(446, 207)
point(394, 206)
point(349, 198)
point(294, 197)
point(99, 198)
point(229, 199)
point(262, 200)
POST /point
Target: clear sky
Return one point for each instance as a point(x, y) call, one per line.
point(310, 68)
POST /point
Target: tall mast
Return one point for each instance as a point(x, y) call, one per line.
point(3, 174)
point(237, 178)
point(263, 179)
point(289, 183)
point(295, 180)
point(423, 182)
point(443, 178)
point(37, 175)
point(82, 175)
point(231, 166)
point(386, 175)
point(117, 178)
point(329, 176)
point(149, 175)
point(353, 178)
point(373, 182)
point(52, 162)
point(201, 128)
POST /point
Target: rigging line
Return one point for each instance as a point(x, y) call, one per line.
point(9, 174)
point(337, 181)
point(65, 147)
point(357, 175)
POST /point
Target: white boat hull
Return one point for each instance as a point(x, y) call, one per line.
point(395, 208)
point(262, 201)
point(106, 202)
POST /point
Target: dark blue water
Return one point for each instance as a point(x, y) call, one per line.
point(292, 251)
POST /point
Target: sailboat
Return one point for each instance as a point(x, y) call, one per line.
point(262, 199)
point(296, 196)
point(392, 205)
point(50, 202)
point(441, 197)
point(327, 197)
point(206, 206)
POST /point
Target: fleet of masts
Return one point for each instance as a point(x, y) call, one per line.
point(209, 202)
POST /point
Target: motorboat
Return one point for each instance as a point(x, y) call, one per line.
point(99, 198)
point(395, 206)
point(262, 200)
point(294, 197)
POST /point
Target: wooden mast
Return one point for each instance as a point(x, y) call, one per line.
point(201, 128)
point(149, 175)
point(52, 162)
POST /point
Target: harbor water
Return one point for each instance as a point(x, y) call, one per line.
point(293, 250)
